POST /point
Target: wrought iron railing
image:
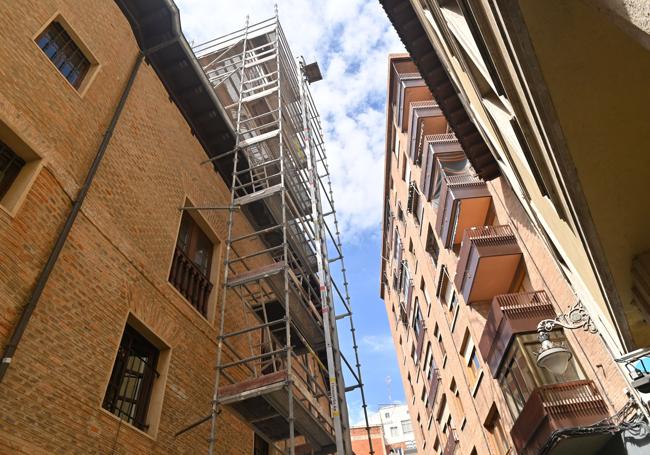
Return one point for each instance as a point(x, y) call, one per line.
point(190, 281)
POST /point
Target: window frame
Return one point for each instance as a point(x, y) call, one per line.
point(142, 400)
point(94, 64)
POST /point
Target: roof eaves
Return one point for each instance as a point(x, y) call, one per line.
point(416, 41)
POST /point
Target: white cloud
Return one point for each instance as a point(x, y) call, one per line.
point(351, 40)
point(378, 343)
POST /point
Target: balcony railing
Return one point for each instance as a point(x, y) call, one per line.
point(450, 446)
point(440, 138)
point(553, 407)
point(433, 389)
point(190, 281)
point(511, 314)
point(479, 279)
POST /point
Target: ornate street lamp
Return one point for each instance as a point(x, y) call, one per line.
point(552, 356)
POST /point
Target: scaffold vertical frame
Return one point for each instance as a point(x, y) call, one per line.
point(278, 359)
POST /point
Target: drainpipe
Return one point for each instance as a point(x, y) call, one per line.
point(30, 306)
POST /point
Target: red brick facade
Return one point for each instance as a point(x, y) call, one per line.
point(471, 399)
point(116, 261)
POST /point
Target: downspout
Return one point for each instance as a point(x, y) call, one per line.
point(30, 306)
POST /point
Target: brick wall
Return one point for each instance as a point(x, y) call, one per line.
point(475, 399)
point(117, 258)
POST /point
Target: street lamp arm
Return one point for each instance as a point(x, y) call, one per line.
point(576, 317)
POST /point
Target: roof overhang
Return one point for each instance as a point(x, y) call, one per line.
point(416, 41)
point(157, 29)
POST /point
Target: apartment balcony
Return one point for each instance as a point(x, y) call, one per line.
point(421, 331)
point(511, 314)
point(556, 407)
point(410, 88)
point(425, 119)
point(464, 202)
point(434, 381)
point(488, 263)
point(450, 446)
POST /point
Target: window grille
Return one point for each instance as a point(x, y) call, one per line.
point(61, 49)
point(132, 379)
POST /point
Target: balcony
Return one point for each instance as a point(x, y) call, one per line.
point(410, 88)
point(511, 314)
point(190, 281)
point(555, 407)
point(434, 381)
point(464, 202)
point(488, 263)
point(425, 118)
point(421, 337)
point(450, 446)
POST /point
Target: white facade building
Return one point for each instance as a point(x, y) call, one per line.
point(398, 430)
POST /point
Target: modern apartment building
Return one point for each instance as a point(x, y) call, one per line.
point(467, 278)
point(157, 227)
point(398, 429)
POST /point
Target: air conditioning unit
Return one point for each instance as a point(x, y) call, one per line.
point(637, 364)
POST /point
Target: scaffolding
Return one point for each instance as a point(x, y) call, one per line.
point(279, 366)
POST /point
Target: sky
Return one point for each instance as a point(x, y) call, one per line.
point(351, 40)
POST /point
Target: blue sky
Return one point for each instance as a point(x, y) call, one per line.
point(351, 40)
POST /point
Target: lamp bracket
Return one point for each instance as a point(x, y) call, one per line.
point(576, 317)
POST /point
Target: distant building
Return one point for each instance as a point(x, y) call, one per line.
point(397, 428)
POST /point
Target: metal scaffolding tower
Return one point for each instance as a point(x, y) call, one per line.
point(279, 365)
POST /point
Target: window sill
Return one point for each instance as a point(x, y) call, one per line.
point(128, 425)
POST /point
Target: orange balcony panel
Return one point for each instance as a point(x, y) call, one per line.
point(511, 314)
point(556, 407)
point(488, 262)
point(410, 88)
point(464, 202)
point(425, 119)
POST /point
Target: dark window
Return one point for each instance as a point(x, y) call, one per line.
point(10, 166)
point(432, 245)
point(132, 379)
point(64, 53)
point(190, 272)
point(260, 447)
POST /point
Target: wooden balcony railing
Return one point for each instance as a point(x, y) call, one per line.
point(511, 314)
point(490, 234)
point(554, 407)
point(450, 446)
point(440, 138)
point(433, 389)
point(190, 281)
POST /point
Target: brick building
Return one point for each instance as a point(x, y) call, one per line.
point(466, 279)
point(104, 125)
point(360, 442)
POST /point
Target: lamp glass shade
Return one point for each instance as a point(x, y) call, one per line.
point(554, 358)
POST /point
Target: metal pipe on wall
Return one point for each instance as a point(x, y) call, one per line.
point(17, 334)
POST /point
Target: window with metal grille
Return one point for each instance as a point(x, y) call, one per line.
point(10, 166)
point(61, 49)
point(134, 373)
